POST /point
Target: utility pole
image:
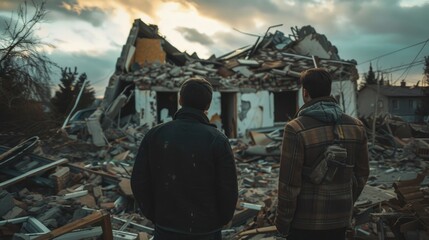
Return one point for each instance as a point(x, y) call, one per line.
point(375, 114)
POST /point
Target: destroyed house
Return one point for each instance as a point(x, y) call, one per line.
point(254, 86)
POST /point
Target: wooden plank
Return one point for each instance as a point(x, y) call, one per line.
point(259, 138)
point(107, 227)
point(125, 187)
point(112, 178)
point(19, 149)
point(268, 229)
point(149, 51)
point(109, 178)
point(99, 217)
point(33, 172)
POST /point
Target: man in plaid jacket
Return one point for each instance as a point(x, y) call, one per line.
point(308, 210)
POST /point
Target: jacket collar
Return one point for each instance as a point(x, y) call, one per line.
point(193, 114)
point(314, 101)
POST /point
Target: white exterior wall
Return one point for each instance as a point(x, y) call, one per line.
point(146, 107)
point(348, 97)
point(260, 113)
point(214, 111)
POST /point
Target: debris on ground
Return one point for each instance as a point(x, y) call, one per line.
point(73, 188)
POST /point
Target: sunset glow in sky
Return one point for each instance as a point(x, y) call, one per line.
point(90, 34)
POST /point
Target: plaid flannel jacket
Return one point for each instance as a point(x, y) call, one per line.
point(304, 205)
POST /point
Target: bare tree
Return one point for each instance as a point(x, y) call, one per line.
point(24, 67)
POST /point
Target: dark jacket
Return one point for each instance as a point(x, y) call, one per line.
point(184, 177)
point(328, 205)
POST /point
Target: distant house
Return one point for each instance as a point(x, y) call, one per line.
point(254, 86)
point(401, 101)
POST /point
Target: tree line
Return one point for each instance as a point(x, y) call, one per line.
point(26, 104)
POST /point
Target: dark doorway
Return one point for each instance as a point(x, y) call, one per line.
point(228, 102)
point(166, 105)
point(285, 105)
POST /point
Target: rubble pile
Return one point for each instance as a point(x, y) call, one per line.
point(399, 151)
point(269, 69)
point(54, 197)
point(74, 189)
point(119, 152)
point(90, 180)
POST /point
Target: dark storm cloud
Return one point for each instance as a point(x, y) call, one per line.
point(146, 6)
point(364, 17)
point(229, 41)
point(380, 27)
point(235, 13)
point(385, 17)
point(193, 35)
point(93, 15)
point(56, 10)
point(240, 13)
point(360, 30)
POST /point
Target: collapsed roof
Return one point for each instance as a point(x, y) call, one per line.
point(148, 60)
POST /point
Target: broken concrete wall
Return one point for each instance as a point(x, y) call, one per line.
point(94, 128)
point(130, 57)
point(146, 107)
point(214, 112)
point(311, 46)
point(344, 91)
point(255, 110)
point(311, 43)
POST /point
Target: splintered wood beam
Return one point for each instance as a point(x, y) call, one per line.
point(33, 172)
point(20, 148)
point(99, 217)
point(255, 231)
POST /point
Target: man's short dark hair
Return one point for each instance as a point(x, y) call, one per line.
point(317, 82)
point(196, 93)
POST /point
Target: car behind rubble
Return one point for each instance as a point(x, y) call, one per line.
point(78, 121)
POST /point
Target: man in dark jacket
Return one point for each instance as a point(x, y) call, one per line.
point(184, 177)
point(309, 210)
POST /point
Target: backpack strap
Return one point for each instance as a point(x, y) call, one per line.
point(338, 132)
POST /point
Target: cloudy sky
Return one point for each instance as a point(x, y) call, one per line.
point(89, 34)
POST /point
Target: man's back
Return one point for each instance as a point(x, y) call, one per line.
point(327, 205)
point(317, 202)
point(190, 183)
